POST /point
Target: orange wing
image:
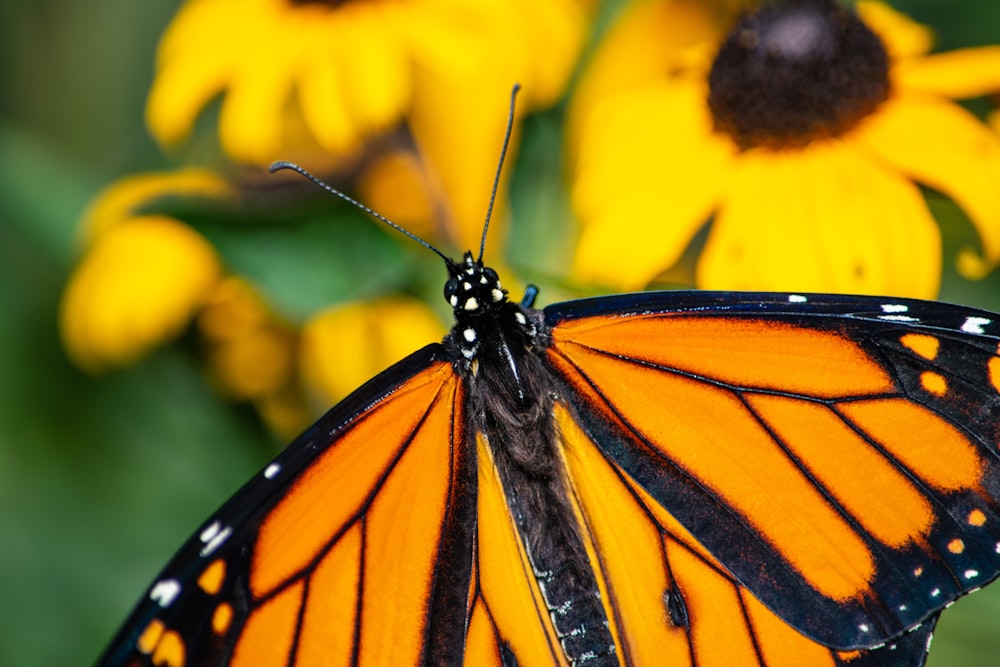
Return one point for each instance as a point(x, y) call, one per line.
point(841, 468)
point(342, 554)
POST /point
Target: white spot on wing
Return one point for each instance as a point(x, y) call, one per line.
point(797, 298)
point(210, 531)
point(894, 308)
point(272, 470)
point(975, 324)
point(165, 591)
point(899, 318)
point(215, 540)
point(971, 574)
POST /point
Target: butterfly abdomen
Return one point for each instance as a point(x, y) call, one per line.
point(511, 398)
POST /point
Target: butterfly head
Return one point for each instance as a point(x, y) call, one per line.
point(472, 287)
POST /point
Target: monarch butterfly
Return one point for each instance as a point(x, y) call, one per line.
point(658, 478)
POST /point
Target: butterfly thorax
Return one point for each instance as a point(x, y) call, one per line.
point(498, 346)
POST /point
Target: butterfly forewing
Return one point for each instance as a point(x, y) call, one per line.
point(800, 446)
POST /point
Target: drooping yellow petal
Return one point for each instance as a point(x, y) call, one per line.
point(373, 64)
point(650, 172)
point(343, 346)
point(117, 202)
point(459, 110)
point(957, 74)
point(943, 146)
point(825, 219)
point(136, 287)
point(902, 36)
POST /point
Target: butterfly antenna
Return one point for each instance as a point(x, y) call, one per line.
point(281, 165)
point(496, 179)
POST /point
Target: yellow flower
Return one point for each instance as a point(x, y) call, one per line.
point(137, 287)
point(344, 346)
point(804, 138)
point(251, 355)
point(337, 72)
point(142, 276)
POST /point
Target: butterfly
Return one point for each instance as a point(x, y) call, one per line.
point(678, 478)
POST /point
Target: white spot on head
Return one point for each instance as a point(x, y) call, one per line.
point(467, 286)
point(469, 335)
point(975, 324)
point(482, 280)
point(497, 295)
point(894, 308)
point(797, 298)
point(519, 316)
point(165, 591)
point(215, 539)
point(453, 300)
point(471, 268)
point(471, 303)
point(272, 470)
point(971, 574)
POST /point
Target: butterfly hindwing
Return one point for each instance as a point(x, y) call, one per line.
point(796, 441)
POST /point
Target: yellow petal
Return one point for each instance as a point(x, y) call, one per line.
point(460, 144)
point(957, 74)
point(902, 36)
point(648, 39)
point(943, 146)
point(342, 347)
point(822, 219)
point(650, 173)
point(137, 287)
point(374, 68)
point(117, 202)
point(254, 365)
point(394, 185)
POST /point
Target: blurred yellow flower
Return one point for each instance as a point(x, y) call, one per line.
point(804, 138)
point(251, 355)
point(339, 71)
point(142, 276)
point(344, 346)
point(313, 81)
point(136, 287)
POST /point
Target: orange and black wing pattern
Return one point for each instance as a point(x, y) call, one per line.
point(750, 461)
point(751, 479)
point(331, 554)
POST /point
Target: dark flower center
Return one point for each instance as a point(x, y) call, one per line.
point(795, 72)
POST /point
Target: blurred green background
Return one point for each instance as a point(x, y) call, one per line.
point(101, 478)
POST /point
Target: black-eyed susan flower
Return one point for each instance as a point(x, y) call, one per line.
point(142, 276)
point(805, 138)
point(313, 81)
